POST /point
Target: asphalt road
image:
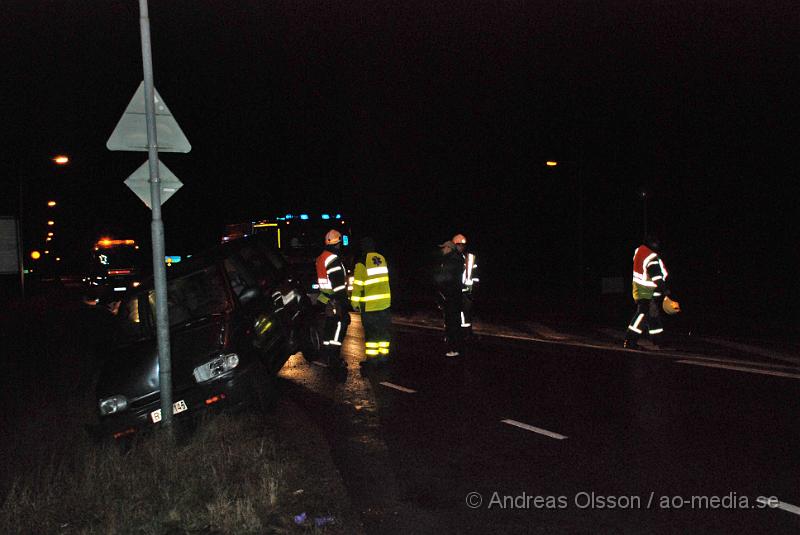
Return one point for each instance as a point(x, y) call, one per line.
point(524, 436)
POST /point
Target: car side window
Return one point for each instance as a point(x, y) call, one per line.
point(132, 317)
point(264, 271)
point(240, 279)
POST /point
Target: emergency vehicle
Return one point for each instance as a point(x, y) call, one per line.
point(116, 265)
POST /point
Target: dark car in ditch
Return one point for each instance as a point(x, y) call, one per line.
point(236, 314)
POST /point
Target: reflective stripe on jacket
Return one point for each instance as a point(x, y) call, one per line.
point(331, 277)
point(649, 274)
point(469, 279)
point(371, 290)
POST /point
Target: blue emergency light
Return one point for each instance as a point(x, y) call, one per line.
point(345, 240)
point(325, 216)
point(289, 216)
point(338, 216)
point(303, 216)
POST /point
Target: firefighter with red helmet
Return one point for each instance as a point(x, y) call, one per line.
point(650, 292)
point(332, 279)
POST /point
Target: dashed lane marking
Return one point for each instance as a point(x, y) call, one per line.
point(398, 387)
point(740, 369)
point(539, 430)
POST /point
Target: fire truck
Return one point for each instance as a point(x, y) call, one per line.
point(116, 265)
point(299, 237)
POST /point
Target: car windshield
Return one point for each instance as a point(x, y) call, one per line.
point(191, 297)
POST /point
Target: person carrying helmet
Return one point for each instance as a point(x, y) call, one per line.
point(450, 297)
point(649, 291)
point(332, 279)
point(469, 282)
point(372, 297)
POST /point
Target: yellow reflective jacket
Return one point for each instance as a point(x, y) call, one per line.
point(371, 284)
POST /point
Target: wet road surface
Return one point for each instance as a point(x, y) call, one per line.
point(531, 437)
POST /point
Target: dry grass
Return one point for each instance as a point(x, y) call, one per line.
point(230, 476)
point(227, 478)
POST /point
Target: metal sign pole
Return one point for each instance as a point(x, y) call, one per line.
point(157, 225)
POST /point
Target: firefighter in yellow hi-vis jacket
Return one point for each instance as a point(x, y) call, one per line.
point(372, 297)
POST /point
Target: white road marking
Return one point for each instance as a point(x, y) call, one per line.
point(534, 429)
point(741, 369)
point(783, 505)
point(747, 348)
point(398, 387)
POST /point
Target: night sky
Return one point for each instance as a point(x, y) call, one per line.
point(422, 119)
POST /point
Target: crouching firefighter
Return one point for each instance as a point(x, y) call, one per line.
point(372, 297)
point(649, 292)
point(332, 279)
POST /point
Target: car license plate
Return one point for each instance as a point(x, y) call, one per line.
point(178, 406)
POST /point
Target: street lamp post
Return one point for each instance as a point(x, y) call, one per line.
point(576, 168)
point(643, 194)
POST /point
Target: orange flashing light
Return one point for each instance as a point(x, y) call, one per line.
point(215, 399)
point(107, 242)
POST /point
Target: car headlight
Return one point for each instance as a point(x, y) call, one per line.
point(113, 404)
point(216, 367)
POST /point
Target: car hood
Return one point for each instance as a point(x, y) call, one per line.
point(132, 370)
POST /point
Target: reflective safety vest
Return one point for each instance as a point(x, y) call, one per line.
point(371, 284)
point(469, 278)
point(649, 274)
point(331, 277)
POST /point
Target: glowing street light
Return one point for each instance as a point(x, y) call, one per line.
point(51, 223)
point(551, 163)
point(36, 255)
point(50, 234)
point(51, 203)
point(61, 159)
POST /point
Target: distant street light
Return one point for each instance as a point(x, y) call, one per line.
point(51, 223)
point(551, 163)
point(61, 159)
point(50, 234)
point(36, 255)
point(51, 203)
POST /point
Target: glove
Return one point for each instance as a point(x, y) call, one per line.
point(670, 306)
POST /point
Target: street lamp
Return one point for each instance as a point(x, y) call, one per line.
point(51, 223)
point(51, 203)
point(61, 159)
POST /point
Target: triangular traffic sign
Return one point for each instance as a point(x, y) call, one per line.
point(139, 182)
point(131, 131)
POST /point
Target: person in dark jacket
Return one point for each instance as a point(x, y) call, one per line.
point(449, 298)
